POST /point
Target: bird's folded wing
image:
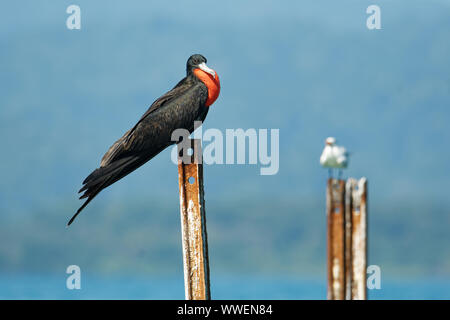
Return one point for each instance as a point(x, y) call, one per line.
point(129, 141)
point(179, 89)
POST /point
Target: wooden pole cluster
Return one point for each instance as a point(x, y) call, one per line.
point(193, 224)
point(346, 239)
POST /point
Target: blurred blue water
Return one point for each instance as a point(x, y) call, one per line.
point(223, 287)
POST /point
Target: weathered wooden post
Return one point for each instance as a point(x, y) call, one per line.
point(358, 214)
point(348, 239)
point(193, 224)
point(336, 239)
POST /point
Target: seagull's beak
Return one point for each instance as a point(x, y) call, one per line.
point(204, 67)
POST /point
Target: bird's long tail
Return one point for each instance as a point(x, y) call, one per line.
point(103, 177)
point(91, 196)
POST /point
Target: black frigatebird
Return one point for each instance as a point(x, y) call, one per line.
point(187, 102)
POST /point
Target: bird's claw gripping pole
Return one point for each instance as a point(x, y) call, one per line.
point(193, 223)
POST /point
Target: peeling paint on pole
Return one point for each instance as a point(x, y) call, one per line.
point(193, 226)
point(348, 239)
point(336, 239)
point(359, 238)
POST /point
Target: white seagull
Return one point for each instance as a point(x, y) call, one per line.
point(334, 157)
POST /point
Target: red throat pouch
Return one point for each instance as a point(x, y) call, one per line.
point(212, 83)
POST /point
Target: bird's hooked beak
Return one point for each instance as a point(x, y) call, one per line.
point(204, 67)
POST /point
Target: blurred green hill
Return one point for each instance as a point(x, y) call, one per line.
point(245, 236)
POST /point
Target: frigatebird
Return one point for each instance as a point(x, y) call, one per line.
point(187, 102)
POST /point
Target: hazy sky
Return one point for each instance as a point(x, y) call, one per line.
point(309, 69)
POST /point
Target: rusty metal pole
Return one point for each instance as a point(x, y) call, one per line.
point(193, 225)
point(335, 239)
point(358, 238)
point(348, 239)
